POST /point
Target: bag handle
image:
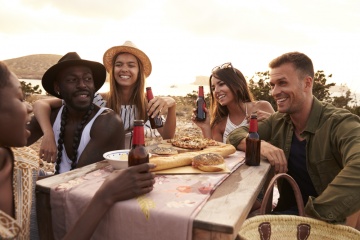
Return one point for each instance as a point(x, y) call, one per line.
point(295, 187)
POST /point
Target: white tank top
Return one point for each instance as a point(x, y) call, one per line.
point(231, 126)
point(65, 164)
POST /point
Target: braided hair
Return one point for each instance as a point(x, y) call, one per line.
point(77, 137)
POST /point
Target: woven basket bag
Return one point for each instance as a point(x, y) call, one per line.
point(269, 227)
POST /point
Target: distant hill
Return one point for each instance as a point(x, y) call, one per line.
point(32, 66)
point(201, 80)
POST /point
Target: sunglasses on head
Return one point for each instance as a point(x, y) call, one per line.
point(223, 66)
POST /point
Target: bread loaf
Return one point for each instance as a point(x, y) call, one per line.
point(207, 159)
point(185, 159)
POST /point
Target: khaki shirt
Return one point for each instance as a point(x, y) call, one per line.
point(332, 156)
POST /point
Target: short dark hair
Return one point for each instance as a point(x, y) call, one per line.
point(4, 74)
point(300, 61)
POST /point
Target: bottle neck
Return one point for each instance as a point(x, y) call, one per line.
point(253, 125)
point(138, 138)
point(201, 92)
point(149, 94)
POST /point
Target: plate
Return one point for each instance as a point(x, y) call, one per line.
point(118, 158)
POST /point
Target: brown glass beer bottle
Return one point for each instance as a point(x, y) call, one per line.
point(155, 122)
point(138, 153)
point(252, 153)
point(200, 105)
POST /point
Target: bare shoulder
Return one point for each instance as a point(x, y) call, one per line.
point(108, 118)
point(261, 105)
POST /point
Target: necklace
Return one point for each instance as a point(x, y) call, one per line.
point(76, 140)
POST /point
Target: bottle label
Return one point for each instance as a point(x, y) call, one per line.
point(201, 114)
point(252, 153)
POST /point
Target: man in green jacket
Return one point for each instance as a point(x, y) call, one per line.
point(314, 142)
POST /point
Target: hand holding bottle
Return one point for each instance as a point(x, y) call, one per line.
point(155, 121)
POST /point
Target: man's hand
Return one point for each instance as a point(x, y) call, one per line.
point(48, 149)
point(275, 156)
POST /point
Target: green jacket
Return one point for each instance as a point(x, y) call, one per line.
point(332, 155)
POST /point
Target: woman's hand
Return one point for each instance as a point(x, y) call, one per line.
point(203, 125)
point(159, 105)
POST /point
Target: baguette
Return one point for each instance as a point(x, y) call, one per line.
point(185, 159)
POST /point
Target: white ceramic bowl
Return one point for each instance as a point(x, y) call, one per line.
point(118, 158)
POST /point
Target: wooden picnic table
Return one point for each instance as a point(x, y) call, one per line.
point(219, 218)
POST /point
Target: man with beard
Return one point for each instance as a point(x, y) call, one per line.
point(314, 142)
point(83, 131)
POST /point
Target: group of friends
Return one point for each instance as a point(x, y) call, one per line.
point(314, 142)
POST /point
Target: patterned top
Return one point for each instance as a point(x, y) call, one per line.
point(231, 126)
point(26, 165)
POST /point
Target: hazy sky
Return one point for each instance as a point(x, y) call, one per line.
point(187, 38)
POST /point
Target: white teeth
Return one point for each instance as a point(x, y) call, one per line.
point(126, 77)
point(281, 100)
point(221, 96)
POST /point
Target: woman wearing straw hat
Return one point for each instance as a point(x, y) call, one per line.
point(128, 68)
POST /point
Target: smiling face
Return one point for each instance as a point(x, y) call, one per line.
point(288, 88)
point(221, 91)
point(126, 69)
point(14, 114)
point(76, 86)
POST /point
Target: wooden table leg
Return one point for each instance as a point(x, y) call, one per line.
point(43, 210)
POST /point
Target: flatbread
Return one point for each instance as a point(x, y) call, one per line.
point(164, 151)
point(189, 142)
point(211, 142)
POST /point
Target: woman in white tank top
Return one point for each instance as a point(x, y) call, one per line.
point(231, 103)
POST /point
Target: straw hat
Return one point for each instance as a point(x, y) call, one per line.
point(72, 59)
point(127, 47)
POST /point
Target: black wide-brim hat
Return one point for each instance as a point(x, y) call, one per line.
point(68, 60)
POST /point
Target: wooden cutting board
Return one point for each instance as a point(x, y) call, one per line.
point(185, 156)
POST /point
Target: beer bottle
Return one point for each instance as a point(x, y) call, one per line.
point(155, 122)
point(200, 105)
point(138, 153)
point(252, 153)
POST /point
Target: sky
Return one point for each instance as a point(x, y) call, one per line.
point(187, 38)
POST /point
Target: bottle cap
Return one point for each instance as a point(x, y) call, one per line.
point(138, 122)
